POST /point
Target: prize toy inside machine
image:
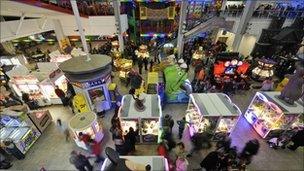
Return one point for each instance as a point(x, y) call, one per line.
point(87, 124)
point(228, 65)
point(198, 55)
point(127, 123)
point(198, 123)
point(122, 65)
point(116, 54)
point(20, 131)
point(263, 70)
point(225, 126)
point(264, 116)
point(150, 129)
point(27, 84)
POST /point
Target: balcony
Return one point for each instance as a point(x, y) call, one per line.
point(265, 14)
point(92, 8)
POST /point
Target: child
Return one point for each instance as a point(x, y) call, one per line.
point(64, 129)
point(276, 142)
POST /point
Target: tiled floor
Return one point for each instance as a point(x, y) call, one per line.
point(52, 152)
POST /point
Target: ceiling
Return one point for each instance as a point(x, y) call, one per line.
point(12, 8)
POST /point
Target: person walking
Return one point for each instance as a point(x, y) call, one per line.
point(85, 138)
point(140, 65)
point(80, 161)
point(130, 138)
point(297, 139)
point(61, 94)
point(12, 148)
point(181, 126)
point(64, 129)
point(96, 150)
point(267, 85)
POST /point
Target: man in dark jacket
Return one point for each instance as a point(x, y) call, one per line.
point(60, 93)
point(297, 139)
point(80, 161)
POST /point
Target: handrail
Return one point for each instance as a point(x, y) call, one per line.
point(266, 13)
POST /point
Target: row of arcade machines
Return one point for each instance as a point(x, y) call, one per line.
point(23, 128)
point(215, 114)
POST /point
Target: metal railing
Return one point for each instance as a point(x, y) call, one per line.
point(290, 14)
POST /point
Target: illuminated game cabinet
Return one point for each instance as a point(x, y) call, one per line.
point(147, 120)
point(90, 79)
point(18, 128)
point(212, 113)
point(86, 123)
point(271, 116)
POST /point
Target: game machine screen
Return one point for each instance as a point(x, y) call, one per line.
point(150, 129)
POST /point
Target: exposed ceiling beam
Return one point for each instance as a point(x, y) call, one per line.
point(20, 23)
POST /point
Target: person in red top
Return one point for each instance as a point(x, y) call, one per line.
point(96, 150)
point(162, 149)
point(86, 138)
point(60, 93)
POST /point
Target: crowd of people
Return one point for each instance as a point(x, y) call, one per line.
point(87, 7)
point(266, 10)
point(278, 10)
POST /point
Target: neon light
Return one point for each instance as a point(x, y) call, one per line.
point(153, 35)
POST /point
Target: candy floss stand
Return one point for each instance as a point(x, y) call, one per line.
point(87, 124)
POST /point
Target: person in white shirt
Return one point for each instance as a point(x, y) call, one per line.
point(267, 85)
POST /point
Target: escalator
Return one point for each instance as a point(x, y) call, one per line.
point(214, 22)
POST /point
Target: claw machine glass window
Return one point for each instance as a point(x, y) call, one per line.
point(96, 94)
point(149, 129)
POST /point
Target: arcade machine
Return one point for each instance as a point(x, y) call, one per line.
point(263, 70)
point(198, 56)
point(146, 119)
point(86, 123)
point(213, 113)
point(113, 162)
point(270, 116)
point(175, 78)
point(18, 128)
point(41, 118)
point(90, 79)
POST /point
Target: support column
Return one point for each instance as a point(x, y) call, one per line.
point(80, 28)
point(63, 41)
point(116, 5)
point(181, 27)
point(242, 26)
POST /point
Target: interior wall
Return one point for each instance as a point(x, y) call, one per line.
point(247, 44)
